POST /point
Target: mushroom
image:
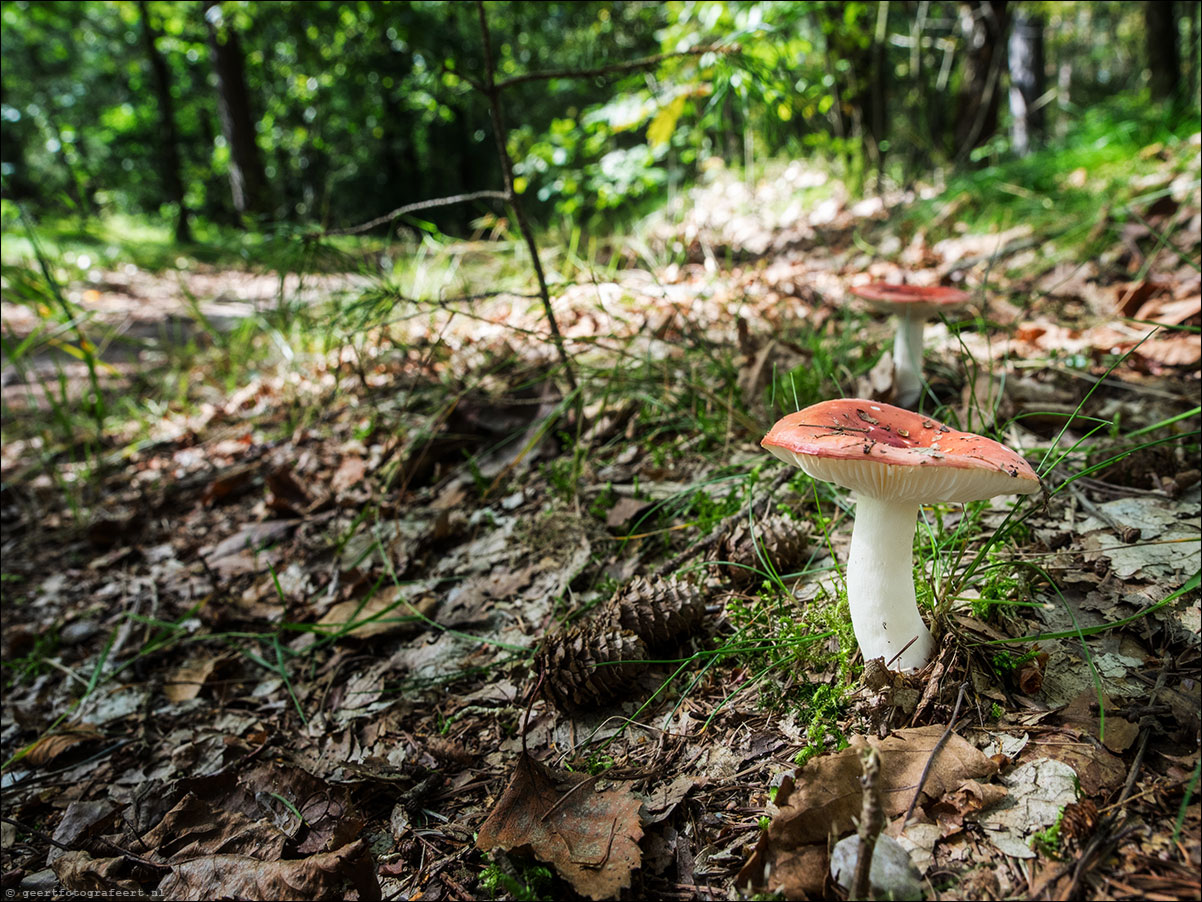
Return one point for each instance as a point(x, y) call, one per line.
point(895, 460)
point(914, 305)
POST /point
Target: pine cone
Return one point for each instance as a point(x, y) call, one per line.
point(659, 611)
point(781, 540)
point(589, 664)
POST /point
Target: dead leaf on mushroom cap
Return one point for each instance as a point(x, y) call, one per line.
point(589, 835)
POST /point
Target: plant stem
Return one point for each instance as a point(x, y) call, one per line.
point(492, 92)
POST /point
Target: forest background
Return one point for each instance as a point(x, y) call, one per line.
point(359, 357)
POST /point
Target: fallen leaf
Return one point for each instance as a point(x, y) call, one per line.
point(589, 835)
point(824, 796)
point(185, 682)
point(328, 875)
point(349, 472)
point(195, 827)
point(80, 822)
point(230, 483)
point(795, 873)
point(54, 745)
point(1039, 790)
point(971, 797)
point(82, 874)
point(623, 511)
point(381, 614)
point(1098, 770)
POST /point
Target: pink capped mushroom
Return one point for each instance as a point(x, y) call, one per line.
point(895, 460)
point(914, 305)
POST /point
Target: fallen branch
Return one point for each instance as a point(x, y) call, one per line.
point(872, 819)
point(413, 208)
point(951, 725)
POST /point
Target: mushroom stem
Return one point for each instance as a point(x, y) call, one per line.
point(880, 583)
point(907, 358)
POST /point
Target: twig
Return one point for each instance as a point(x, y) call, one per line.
point(492, 92)
point(47, 838)
point(872, 818)
point(935, 751)
point(1145, 733)
point(413, 208)
point(645, 62)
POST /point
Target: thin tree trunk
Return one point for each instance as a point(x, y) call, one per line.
point(1027, 81)
point(169, 159)
point(17, 184)
point(984, 26)
point(247, 179)
point(879, 124)
point(1164, 60)
point(501, 135)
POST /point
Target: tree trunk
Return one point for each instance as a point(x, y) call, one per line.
point(1164, 61)
point(17, 184)
point(247, 179)
point(983, 23)
point(1027, 81)
point(169, 158)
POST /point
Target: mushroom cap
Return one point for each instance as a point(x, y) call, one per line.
point(917, 300)
point(894, 454)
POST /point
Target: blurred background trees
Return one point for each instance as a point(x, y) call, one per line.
point(331, 113)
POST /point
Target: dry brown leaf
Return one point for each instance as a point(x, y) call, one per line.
point(349, 472)
point(1175, 350)
point(824, 795)
point(625, 510)
point(82, 874)
point(1130, 296)
point(230, 483)
point(50, 747)
point(821, 799)
point(195, 827)
point(382, 614)
point(797, 873)
point(971, 797)
point(80, 822)
point(185, 683)
point(329, 875)
point(1098, 770)
point(589, 835)
point(1170, 312)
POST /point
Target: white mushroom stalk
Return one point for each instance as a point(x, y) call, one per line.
point(895, 460)
point(907, 357)
point(880, 584)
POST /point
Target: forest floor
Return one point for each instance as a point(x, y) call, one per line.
point(409, 618)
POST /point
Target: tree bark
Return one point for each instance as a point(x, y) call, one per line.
point(248, 181)
point(169, 156)
point(1027, 81)
point(984, 24)
point(1164, 60)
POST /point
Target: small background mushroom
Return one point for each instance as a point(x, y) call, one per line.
point(913, 305)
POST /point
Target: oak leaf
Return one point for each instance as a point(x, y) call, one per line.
point(590, 835)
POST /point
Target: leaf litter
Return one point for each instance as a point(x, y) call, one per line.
point(296, 662)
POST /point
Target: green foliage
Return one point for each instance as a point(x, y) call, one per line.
point(361, 107)
point(1047, 840)
point(530, 883)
